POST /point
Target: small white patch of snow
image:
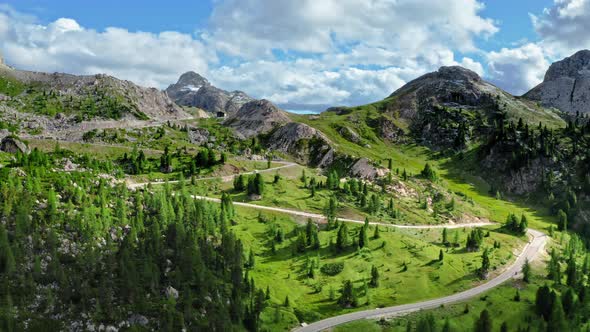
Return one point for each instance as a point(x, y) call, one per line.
point(191, 87)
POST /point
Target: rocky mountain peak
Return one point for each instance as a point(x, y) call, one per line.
point(192, 81)
point(572, 66)
point(454, 73)
point(193, 90)
point(566, 85)
point(257, 117)
point(262, 107)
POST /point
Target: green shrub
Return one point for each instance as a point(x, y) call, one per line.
point(332, 269)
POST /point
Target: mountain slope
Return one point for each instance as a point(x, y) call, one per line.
point(455, 101)
point(86, 97)
point(447, 109)
point(194, 90)
point(566, 85)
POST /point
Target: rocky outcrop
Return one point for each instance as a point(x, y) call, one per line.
point(257, 117)
point(349, 135)
point(389, 131)
point(194, 90)
point(452, 86)
point(566, 85)
point(134, 100)
point(364, 169)
point(304, 143)
point(12, 144)
point(198, 136)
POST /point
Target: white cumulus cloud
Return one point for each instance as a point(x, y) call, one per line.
point(63, 45)
point(517, 69)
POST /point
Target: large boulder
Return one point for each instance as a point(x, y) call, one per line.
point(13, 144)
point(566, 85)
point(364, 169)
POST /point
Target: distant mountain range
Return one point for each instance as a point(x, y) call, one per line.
point(193, 90)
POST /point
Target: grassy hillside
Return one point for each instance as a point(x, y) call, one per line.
point(407, 261)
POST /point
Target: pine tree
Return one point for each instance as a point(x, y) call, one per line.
point(428, 172)
point(374, 276)
point(301, 242)
point(554, 267)
point(557, 320)
point(568, 300)
point(544, 301)
point(445, 239)
point(440, 256)
point(504, 327)
point(485, 264)
point(347, 296)
point(572, 272)
point(376, 234)
point(562, 220)
point(447, 326)
point(526, 271)
point(342, 237)
point(251, 259)
point(363, 238)
point(484, 323)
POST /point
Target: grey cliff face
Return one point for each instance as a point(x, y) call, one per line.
point(566, 85)
point(194, 90)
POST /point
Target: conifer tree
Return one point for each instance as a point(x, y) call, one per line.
point(484, 323)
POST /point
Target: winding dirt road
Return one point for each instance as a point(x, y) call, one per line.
point(532, 249)
point(530, 252)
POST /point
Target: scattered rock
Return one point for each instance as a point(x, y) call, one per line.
point(171, 292)
point(137, 319)
point(198, 136)
point(349, 135)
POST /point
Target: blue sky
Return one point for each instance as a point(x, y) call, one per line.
point(301, 52)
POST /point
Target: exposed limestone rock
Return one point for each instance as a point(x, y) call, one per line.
point(306, 144)
point(363, 169)
point(389, 131)
point(257, 117)
point(198, 136)
point(171, 292)
point(349, 135)
point(566, 85)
